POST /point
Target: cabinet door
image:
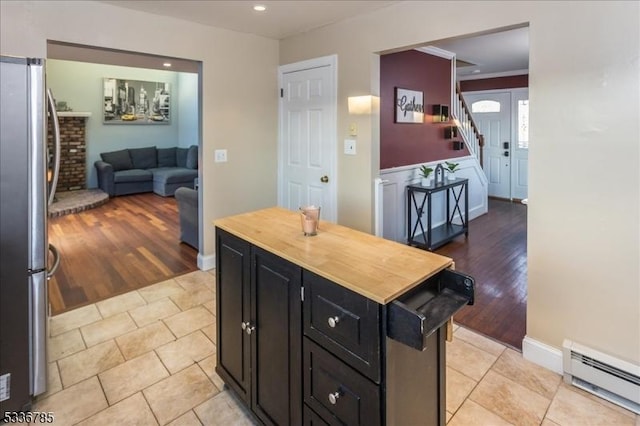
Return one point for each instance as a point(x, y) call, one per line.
point(233, 276)
point(276, 340)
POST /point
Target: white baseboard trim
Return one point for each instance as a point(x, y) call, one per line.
point(542, 354)
point(206, 262)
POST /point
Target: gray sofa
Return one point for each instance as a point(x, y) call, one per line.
point(187, 200)
point(161, 170)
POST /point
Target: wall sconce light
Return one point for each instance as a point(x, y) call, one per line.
point(361, 105)
point(458, 145)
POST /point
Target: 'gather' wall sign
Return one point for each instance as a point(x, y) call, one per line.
point(409, 106)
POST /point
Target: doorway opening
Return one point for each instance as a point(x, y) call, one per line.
point(495, 251)
point(131, 240)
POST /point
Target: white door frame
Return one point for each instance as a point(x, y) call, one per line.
point(332, 109)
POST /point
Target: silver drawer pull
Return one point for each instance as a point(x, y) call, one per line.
point(333, 398)
point(247, 327)
point(333, 321)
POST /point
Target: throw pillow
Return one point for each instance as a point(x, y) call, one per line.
point(192, 157)
point(120, 160)
point(181, 157)
point(144, 158)
point(166, 157)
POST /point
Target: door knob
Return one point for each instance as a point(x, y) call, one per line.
point(506, 153)
point(324, 179)
point(333, 398)
point(333, 321)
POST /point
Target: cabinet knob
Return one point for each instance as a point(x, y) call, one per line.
point(244, 325)
point(333, 321)
point(250, 329)
point(333, 398)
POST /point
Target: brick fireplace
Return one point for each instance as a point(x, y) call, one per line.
point(71, 193)
point(73, 150)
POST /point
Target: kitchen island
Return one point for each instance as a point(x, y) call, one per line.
point(338, 328)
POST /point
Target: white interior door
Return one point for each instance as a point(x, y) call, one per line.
point(307, 160)
point(492, 114)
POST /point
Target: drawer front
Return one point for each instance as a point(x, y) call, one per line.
point(344, 322)
point(310, 418)
point(337, 392)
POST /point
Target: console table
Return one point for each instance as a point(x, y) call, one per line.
point(431, 237)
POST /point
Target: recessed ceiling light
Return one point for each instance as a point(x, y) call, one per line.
point(475, 71)
point(259, 8)
point(167, 64)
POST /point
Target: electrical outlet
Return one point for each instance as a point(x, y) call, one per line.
point(221, 155)
point(350, 146)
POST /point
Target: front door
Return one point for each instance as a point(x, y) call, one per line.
point(492, 114)
point(307, 152)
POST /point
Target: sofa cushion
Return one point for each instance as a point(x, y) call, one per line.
point(192, 157)
point(143, 158)
point(120, 160)
point(166, 157)
point(133, 175)
point(174, 175)
point(181, 157)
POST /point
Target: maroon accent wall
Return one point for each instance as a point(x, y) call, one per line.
point(510, 82)
point(404, 144)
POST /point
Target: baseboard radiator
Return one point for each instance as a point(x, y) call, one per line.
point(610, 378)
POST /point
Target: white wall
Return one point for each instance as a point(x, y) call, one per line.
point(584, 216)
point(239, 83)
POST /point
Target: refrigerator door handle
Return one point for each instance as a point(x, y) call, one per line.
point(56, 261)
point(38, 331)
point(53, 113)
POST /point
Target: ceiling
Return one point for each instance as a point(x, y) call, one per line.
point(504, 52)
point(281, 19)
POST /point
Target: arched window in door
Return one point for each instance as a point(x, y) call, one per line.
point(485, 106)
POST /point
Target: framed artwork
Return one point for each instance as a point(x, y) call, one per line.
point(136, 102)
point(409, 106)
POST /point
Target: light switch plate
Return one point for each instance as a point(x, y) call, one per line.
point(221, 155)
point(353, 129)
point(350, 146)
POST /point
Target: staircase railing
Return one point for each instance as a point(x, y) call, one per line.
point(467, 127)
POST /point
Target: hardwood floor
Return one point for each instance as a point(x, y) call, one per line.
point(495, 254)
point(128, 243)
point(132, 242)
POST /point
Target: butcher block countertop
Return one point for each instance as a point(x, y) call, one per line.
point(378, 269)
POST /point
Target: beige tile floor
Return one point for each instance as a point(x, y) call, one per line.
point(147, 357)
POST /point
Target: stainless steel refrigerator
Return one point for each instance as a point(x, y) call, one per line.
point(27, 184)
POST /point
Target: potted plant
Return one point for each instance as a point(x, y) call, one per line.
point(451, 169)
point(425, 175)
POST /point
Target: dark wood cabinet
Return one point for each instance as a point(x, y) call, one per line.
point(343, 322)
point(301, 344)
point(336, 391)
point(233, 278)
point(259, 311)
